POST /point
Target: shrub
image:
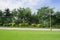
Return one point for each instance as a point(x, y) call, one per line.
point(20, 24)
point(38, 25)
point(56, 26)
point(23, 24)
point(26, 24)
point(33, 25)
point(0, 24)
point(12, 24)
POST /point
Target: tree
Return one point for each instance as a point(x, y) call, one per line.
point(7, 17)
point(57, 18)
point(44, 15)
point(1, 14)
point(24, 14)
point(27, 14)
point(14, 15)
point(34, 19)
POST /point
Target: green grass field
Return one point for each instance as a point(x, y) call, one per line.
point(29, 35)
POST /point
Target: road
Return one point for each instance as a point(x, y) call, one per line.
point(42, 29)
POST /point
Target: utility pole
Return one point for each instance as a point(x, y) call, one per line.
point(50, 20)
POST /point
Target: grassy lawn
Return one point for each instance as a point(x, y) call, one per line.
point(29, 35)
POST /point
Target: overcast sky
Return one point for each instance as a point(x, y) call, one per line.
point(32, 4)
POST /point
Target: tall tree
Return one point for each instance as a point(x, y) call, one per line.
point(7, 17)
point(57, 17)
point(1, 14)
point(44, 15)
point(24, 14)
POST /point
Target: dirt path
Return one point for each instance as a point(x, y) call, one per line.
point(43, 29)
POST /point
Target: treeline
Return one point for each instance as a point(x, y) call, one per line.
point(23, 17)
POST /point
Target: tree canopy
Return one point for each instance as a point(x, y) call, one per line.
point(24, 15)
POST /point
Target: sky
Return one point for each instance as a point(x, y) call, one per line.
point(32, 4)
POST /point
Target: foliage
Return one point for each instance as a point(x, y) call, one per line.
point(23, 17)
point(23, 24)
point(12, 24)
point(33, 25)
point(38, 25)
